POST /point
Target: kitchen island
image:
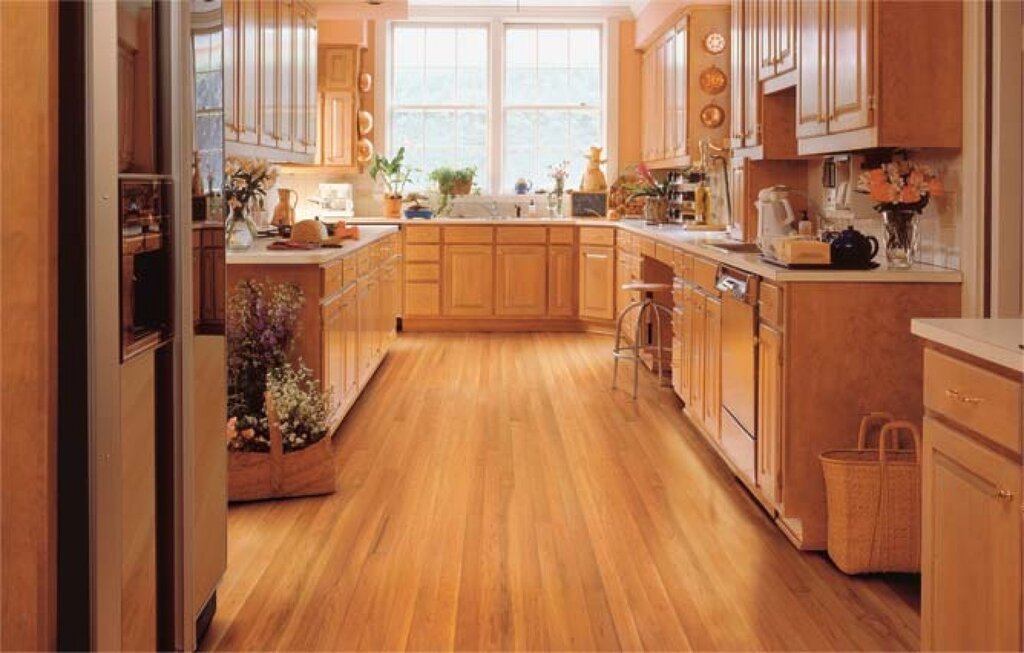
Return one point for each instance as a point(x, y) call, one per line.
point(352, 298)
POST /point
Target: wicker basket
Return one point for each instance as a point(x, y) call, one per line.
point(874, 501)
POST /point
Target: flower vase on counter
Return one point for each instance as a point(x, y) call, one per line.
point(556, 199)
point(901, 237)
point(239, 230)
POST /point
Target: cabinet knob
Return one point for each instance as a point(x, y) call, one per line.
point(956, 395)
point(1004, 495)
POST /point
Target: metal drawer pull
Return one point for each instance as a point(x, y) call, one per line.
point(956, 395)
point(1005, 495)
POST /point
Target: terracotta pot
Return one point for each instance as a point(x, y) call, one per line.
point(392, 207)
point(462, 188)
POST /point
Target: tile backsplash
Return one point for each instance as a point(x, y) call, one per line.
point(939, 221)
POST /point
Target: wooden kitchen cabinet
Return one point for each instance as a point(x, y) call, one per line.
point(229, 34)
point(812, 87)
point(712, 359)
point(597, 282)
point(777, 40)
point(269, 72)
point(769, 413)
point(468, 280)
point(521, 280)
point(247, 70)
point(332, 346)
point(561, 281)
point(338, 129)
point(697, 348)
point(350, 344)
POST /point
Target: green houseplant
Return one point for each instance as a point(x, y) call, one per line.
point(452, 182)
point(393, 175)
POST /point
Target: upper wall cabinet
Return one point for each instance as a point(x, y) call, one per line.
point(685, 87)
point(339, 104)
point(777, 26)
point(888, 75)
point(270, 64)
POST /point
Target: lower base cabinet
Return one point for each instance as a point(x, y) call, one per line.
point(521, 281)
point(468, 280)
point(561, 281)
point(769, 413)
point(597, 282)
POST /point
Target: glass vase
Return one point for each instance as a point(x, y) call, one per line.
point(239, 230)
point(902, 235)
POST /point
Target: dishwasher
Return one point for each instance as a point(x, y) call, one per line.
point(739, 369)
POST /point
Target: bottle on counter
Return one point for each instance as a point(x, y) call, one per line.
point(804, 227)
point(531, 210)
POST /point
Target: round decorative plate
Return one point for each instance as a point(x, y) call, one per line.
point(365, 120)
point(712, 116)
point(365, 82)
point(714, 43)
point(364, 150)
point(713, 80)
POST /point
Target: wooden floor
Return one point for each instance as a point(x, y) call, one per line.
point(494, 493)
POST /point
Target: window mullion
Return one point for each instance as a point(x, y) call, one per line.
point(496, 99)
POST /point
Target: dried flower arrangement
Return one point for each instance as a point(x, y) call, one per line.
point(262, 319)
point(902, 185)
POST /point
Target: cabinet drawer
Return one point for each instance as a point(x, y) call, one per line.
point(423, 272)
point(468, 235)
point(664, 253)
point(561, 235)
point(705, 274)
point(350, 272)
point(363, 262)
point(522, 235)
point(332, 279)
point(770, 304)
point(980, 400)
point(423, 234)
point(428, 253)
point(646, 247)
point(597, 236)
point(422, 299)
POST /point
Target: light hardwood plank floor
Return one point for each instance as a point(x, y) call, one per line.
point(494, 493)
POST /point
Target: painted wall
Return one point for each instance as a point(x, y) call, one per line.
point(656, 15)
point(629, 96)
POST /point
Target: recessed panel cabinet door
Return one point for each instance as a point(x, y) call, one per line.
point(850, 65)
point(597, 282)
point(300, 36)
point(269, 70)
point(769, 412)
point(337, 146)
point(333, 351)
point(785, 36)
point(680, 78)
point(248, 70)
point(751, 81)
point(698, 304)
point(812, 89)
point(286, 75)
point(971, 537)
point(469, 280)
point(766, 38)
point(736, 76)
point(521, 281)
point(712, 366)
point(230, 72)
point(310, 99)
point(561, 281)
point(350, 322)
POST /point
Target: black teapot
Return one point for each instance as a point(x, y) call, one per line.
point(851, 248)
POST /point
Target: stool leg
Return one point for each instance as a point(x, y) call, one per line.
point(637, 348)
point(618, 341)
point(657, 342)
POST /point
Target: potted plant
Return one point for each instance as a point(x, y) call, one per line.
point(654, 192)
point(452, 182)
point(901, 190)
point(245, 179)
point(393, 175)
point(277, 432)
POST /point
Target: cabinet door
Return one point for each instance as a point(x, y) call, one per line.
point(971, 545)
point(468, 280)
point(310, 100)
point(337, 147)
point(766, 38)
point(332, 351)
point(850, 65)
point(300, 38)
point(364, 308)
point(668, 53)
point(785, 36)
point(350, 321)
point(712, 365)
point(697, 356)
point(680, 77)
point(645, 105)
point(658, 103)
point(597, 282)
point(751, 82)
point(812, 89)
point(561, 281)
point(338, 71)
point(736, 76)
point(685, 344)
point(769, 413)
point(230, 71)
point(521, 280)
point(286, 74)
point(212, 302)
point(737, 203)
point(248, 70)
point(269, 67)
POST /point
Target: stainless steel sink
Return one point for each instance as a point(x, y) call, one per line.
point(734, 248)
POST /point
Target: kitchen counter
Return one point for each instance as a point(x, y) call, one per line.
point(696, 242)
point(260, 255)
point(996, 341)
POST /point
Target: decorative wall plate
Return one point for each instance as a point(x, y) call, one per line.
point(712, 116)
point(365, 121)
point(365, 82)
point(713, 80)
point(364, 150)
point(714, 43)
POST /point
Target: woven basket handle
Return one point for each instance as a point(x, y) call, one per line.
point(867, 421)
point(894, 428)
point(276, 442)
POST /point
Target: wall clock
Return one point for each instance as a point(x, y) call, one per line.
point(714, 43)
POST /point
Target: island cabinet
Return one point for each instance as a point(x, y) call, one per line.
point(351, 301)
point(971, 588)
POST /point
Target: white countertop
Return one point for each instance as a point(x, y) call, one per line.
point(995, 341)
point(258, 254)
point(696, 242)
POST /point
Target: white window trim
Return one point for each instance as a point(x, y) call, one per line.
point(496, 84)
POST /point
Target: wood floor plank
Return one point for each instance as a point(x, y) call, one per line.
point(494, 493)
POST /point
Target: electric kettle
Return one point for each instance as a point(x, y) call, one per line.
point(775, 217)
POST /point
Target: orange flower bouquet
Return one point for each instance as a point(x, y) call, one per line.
point(900, 186)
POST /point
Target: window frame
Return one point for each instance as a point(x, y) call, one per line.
point(492, 187)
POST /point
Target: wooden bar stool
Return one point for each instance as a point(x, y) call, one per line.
point(644, 305)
